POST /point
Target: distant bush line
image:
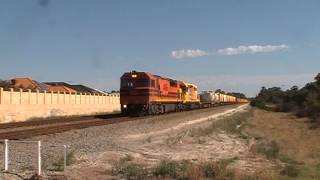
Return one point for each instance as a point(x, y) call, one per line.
point(304, 102)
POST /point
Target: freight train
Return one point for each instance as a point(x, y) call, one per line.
point(143, 93)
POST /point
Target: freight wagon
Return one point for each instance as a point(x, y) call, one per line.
point(210, 98)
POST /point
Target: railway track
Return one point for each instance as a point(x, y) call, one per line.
point(22, 130)
point(55, 120)
point(34, 128)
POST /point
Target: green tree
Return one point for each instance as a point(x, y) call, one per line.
point(5, 84)
point(305, 102)
point(317, 78)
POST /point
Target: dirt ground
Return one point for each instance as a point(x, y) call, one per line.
point(173, 137)
point(296, 142)
point(172, 143)
point(90, 143)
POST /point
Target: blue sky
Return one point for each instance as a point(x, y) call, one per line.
point(231, 44)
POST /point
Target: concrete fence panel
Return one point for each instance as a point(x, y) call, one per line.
point(21, 106)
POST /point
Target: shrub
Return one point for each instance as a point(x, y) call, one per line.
point(269, 149)
point(134, 171)
point(218, 170)
point(59, 164)
point(70, 158)
point(290, 170)
point(166, 168)
point(129, 169)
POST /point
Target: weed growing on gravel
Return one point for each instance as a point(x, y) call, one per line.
point(70, 158)
point(149, 139)
point(169, 169)
point(128, 169)
point(187, 170)
point(171, 140)
point(218, 170)
point(135, 171)
point(59, 164)
point(269, 149)
point(128, 157)
point(201, 140)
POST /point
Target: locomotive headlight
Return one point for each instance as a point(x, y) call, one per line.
point(125, 106)
point(134, 75)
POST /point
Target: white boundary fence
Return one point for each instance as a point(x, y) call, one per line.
point(39, 154)
point(20, 105)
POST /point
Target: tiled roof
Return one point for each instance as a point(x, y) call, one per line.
point(78, 88)
point(28, 83)
point(61, 89)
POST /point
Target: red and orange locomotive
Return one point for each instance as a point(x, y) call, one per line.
point(142, 93)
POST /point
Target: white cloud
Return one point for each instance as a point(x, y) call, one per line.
point(188, 53)
point(252, 49)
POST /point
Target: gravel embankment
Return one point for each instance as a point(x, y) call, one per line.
point(98, 139)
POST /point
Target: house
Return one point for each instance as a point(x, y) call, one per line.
point(28, 83)
point(65, 87)
point(61, 89)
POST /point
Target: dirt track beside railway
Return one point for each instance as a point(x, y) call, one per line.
point(149, 140)
point(155, 138)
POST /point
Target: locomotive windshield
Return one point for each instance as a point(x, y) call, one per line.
point(130, 83)
point(127, 83)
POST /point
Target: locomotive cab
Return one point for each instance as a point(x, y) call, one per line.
point(135, 88)
point(188, 92)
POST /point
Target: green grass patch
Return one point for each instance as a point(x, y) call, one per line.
point(233, 124)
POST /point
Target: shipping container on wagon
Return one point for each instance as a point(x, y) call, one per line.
point(208, 97)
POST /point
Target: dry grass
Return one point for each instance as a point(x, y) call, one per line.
point(129, 169)
point(286, 139)
point(269, 149)
point(292, 134)
point(168, 169)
